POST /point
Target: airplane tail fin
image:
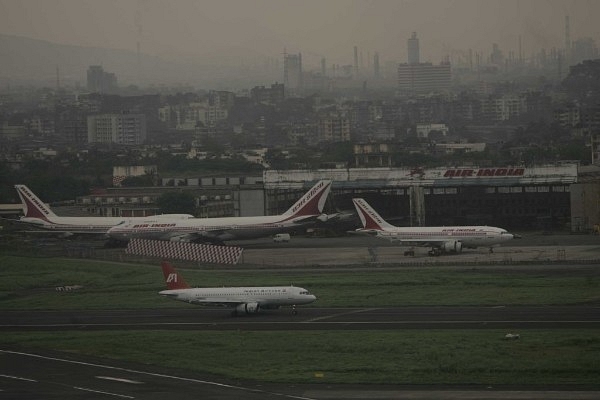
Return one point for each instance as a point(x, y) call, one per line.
point(172, 277)
point(369, 217)
point(312, 202)
point(34, 207)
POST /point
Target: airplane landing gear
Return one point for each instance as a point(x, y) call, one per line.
point(294, 311)
point(434, 252)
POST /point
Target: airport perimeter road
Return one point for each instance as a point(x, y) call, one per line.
point(354, 250)
point(439, 317)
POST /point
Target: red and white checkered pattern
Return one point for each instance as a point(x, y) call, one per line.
point(185, 251)
point(118, 179)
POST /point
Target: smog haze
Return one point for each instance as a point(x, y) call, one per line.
point(234, 33)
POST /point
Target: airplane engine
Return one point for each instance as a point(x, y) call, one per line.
point(247, 308)
point(452, 246)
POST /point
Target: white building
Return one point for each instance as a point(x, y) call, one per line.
point(128, 129)
point(423, 130)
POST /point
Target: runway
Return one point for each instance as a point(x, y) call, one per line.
point(29, 373)
point(51, 375)
point(308, 318)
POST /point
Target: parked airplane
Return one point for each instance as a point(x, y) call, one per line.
point(305, 211)
point(39, 215)
point(243, 300)
point(441, 239)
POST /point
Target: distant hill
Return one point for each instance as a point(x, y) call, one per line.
point(32, 61)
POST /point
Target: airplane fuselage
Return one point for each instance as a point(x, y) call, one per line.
point(221, 229)
point(69, 224)
point(99, 225)
point(264, 297)
point(468, 236)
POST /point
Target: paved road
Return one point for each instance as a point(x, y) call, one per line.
point(526, 239)
point(438, 317)
point(353, 250)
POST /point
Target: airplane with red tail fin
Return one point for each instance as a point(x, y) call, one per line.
point(39, 217)
point(307, 210)
point(441, 239)
point(243, 300)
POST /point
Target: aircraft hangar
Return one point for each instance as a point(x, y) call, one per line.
point(548, 197)
point(521, 197)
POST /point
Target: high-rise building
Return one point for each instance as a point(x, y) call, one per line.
point(413, 49)
point(496, 57)
point(376, 70)
point(415, 77)
point(355, 74)
point(595, 145)
point(333, 128)
point(567, 39)
point(583, 49)
point(100, 81)
point(126, 129)
point(272, 95)
point(292, 73)
point(424, 78)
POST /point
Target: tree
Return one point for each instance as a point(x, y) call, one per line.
point(138, 181)
point(177, 203)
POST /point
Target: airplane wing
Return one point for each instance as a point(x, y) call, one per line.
point(365, 232)
point(60, 234)
point(216, 302)
point(420, 242)
point(214, 236)
point(212, 301)
point(402, 242)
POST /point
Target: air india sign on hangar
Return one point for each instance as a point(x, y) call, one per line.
point(484, 172)
point(560, 174)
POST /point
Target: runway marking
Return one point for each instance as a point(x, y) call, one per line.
point(101, 392)
point(218, 384)
point(110, 378)
point(18, 378)
point(315, 321)
point(339, 314)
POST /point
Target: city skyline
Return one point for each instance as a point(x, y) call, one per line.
point(232, 32)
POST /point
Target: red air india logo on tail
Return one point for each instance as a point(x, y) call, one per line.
point(172, 278)
point(35, 208)
point(372, 219)
point(307, 203)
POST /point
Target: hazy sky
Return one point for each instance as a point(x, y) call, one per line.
point(202, 29)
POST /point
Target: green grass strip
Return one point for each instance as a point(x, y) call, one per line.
point(541, 357)
point(29, 283)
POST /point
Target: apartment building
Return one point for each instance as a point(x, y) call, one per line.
point(126, 129)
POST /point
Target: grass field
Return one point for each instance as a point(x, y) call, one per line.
point(29, 283)
point(391, 356)
point(396, 357)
